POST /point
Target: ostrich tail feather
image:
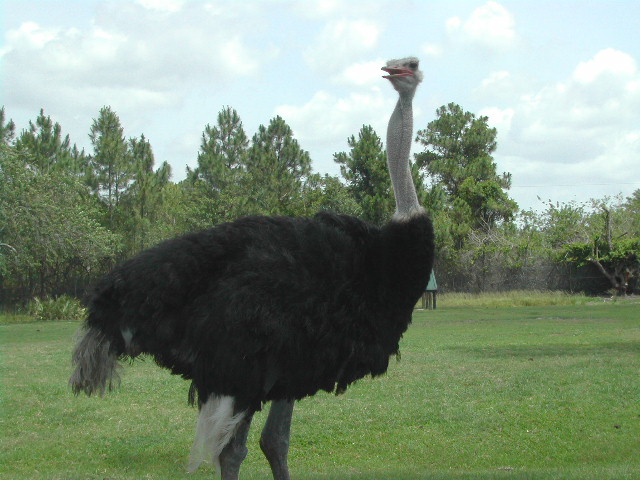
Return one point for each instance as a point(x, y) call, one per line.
point(96, 365)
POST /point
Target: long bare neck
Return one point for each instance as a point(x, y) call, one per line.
point(399, 137)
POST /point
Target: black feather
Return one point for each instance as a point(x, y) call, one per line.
point(268, 308)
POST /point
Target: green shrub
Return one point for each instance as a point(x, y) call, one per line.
point(60, 308)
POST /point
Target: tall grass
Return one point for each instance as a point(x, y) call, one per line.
point(57, 308)
point(515, 298)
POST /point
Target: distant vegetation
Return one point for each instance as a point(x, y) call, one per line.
point(67, 215)
point(60, 308)
point(513, 298)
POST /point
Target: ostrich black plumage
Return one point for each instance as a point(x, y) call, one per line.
point(268, 308)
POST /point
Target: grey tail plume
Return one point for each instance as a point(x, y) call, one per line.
point(96, 364)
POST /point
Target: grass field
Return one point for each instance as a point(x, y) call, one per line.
point(537, 392)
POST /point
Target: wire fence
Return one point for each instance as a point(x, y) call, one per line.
point(475, 278)
point(545, 276)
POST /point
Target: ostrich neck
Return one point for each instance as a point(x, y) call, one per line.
point(399, 136)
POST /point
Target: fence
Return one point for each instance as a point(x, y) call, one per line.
point(475, 277)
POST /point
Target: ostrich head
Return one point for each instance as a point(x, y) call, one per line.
point(404, 74)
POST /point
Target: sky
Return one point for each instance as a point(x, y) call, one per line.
point(559, 80)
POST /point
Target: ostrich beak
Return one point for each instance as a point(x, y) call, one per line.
point(396, 72)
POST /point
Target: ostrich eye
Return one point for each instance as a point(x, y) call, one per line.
point(413, 65)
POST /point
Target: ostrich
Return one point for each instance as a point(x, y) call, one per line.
point(268, 308)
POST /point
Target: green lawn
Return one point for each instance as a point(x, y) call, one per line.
point(541, 392)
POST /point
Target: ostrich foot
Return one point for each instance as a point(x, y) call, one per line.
point(274, 440)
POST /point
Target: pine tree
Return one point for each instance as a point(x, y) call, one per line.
point(144, 196)
point(276, 169)
point(7, 130)
point(47, 150)
point(364, 168)
point(457, 157)
point(222, 151)
point(111, 168)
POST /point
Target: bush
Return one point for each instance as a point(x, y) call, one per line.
point(60, 308)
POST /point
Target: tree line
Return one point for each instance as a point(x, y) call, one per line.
point(67, 215)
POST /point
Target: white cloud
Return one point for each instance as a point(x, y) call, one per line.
point(237, 58)
point(167, 6)
point(504, 88)
point(452, 24)
point(326, 121)
point(607, 61)
point(490, 25)
point(432, 50)
point(129, 54)
point(31, 34)
point(588, 110)
point(340, 43)
point(497, 79)
point(585, 129)
point(621, 156)
point(322, 9)
point(499, 118)
point(362, 73)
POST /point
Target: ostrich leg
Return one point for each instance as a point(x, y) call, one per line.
point(235, 451)
point(274, 440)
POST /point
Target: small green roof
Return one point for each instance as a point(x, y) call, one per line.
point(432, 285)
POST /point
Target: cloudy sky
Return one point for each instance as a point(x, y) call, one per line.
point(559, 79)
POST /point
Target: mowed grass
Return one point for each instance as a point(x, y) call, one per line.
point(540, 392)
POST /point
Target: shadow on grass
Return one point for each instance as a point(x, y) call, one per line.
point(551, 350)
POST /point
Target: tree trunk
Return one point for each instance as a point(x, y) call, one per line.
point(617, 279)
